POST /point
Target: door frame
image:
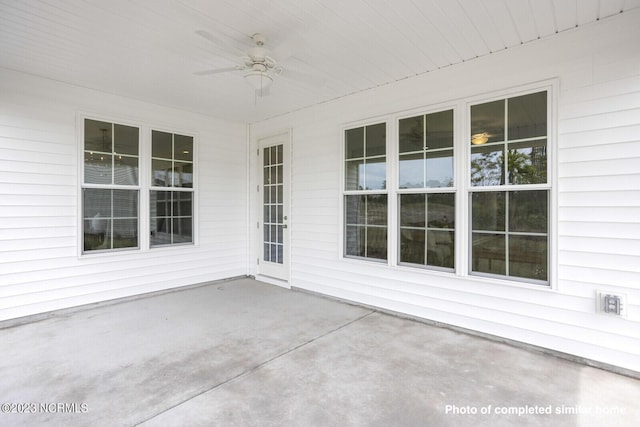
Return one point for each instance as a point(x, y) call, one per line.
point(265, 272)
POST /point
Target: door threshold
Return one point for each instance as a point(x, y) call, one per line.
point(273, 281)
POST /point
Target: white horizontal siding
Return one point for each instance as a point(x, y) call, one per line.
point(40, 267)
point(597, 179)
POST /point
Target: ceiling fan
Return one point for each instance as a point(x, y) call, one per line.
point(260, 68)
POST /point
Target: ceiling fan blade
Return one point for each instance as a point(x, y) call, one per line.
point(219, 70)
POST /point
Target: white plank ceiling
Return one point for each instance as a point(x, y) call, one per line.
point(150, 49)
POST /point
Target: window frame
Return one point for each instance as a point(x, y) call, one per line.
point(550, 185)
point(461, 188)
point(81, 132)
point(143, 187)
point(172, 189)
point(425, 190)
point(344, 192)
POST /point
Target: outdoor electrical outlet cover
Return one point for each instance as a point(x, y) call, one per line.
point(612, 303)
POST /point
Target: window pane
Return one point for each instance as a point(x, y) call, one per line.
point(162, 173)
point(440, 169)
point(98, 168)
point(528, 257)
point(411, 134)
point(126, 139)
point(412, 210)
point(412, 170)
point(160, 203)
point(488, 119)
point(183, 148)
point(488, 211)
point(412, 246)
point(161, 145)
point(95, 234)
point(355, 240)
point(487, 165)
point(125, 203)
point(377, 209)
point(354, 175)
point(440, 129)
point(376, 142)
point(125, 170)
point(376, 174)
point(97, 136)
point(528, 116)
point(183, 175)
point(377, 242)
point(182, 203)
point(182, 230)
point(96, 203)
point(125, 233)
point(528, 162)
point(440, 248)
point(528, 211)
point(441, 210)
point(355, 207)
point(160, 231)
point(488, 253)
point(354, 143)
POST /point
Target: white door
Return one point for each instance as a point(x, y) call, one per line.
point(273, 208)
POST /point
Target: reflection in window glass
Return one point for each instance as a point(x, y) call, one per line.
point(366, 225)
point(110, 219)
point(110, 153)
point(510, 233)
point(427, 224)
point(426, 155)
point(171, 217)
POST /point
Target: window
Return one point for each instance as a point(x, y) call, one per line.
point(110, 187)
point(171, 193)
point(509, 193)
point(365, 200)
point(427, 211)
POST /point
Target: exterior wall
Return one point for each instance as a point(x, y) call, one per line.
point(40, 264)
point(596, 230)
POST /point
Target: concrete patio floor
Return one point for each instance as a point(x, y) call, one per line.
point(243, 353)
